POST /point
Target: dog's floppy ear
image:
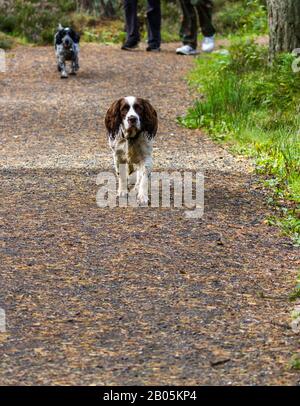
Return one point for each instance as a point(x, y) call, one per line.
point(75, 36)
point(149, 121)
point(113, 119)
point(59, 34)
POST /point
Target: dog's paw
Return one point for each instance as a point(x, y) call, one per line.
point(73, 72)
point(142, 199)
point(123, 193)
point(64, 75)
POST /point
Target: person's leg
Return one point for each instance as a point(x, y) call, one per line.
point(205, 9)
point(130, 8)
point(189, 28)
point(154, 23)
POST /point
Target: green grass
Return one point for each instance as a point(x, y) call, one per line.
point(295, 362)
point(254, 108)
point(296, 295)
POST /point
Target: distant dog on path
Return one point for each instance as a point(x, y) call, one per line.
point(131, 124)
point(66, 42)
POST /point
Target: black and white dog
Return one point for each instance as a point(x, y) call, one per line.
point(66, 42)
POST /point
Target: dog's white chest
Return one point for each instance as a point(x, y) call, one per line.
point(132, 151)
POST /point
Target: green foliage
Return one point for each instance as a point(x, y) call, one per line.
point(295, 362)
point(171, 16)
point(108, 32)
point(35, 20)
point(242, 16)
point(254, 107)
point(296, 294)
point(6, 42)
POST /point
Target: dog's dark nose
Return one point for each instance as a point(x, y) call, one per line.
point(132, 119)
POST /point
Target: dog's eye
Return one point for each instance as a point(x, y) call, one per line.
point(138, 108)
point(124, 110)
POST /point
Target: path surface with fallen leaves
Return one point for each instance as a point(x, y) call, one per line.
point(130, 296)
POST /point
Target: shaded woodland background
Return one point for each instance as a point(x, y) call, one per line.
point(102, 20)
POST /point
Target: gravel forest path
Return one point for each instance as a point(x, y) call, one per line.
point(130, 296)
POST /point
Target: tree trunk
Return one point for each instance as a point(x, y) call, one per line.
point(284, 24)
point(86, 4)
point(104, 7)
point(107, 8)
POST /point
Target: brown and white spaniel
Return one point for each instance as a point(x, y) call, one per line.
point(131, 123)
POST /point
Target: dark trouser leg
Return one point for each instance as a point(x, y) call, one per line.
point(189, 28)
point(205, 8)
point(154, 23)
point(130, 8)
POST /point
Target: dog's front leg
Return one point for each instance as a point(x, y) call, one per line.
point(76, 57)
point(75, 66)
point(62, 66)
point(144, 172)
point(138, 180)
point(122, 173)
point(73, 70)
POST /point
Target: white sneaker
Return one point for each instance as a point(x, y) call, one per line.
point(208, 44)
point(186, 50)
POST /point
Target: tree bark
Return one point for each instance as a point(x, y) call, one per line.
point(284, 24)
point(86, 4)
point(107, 9)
